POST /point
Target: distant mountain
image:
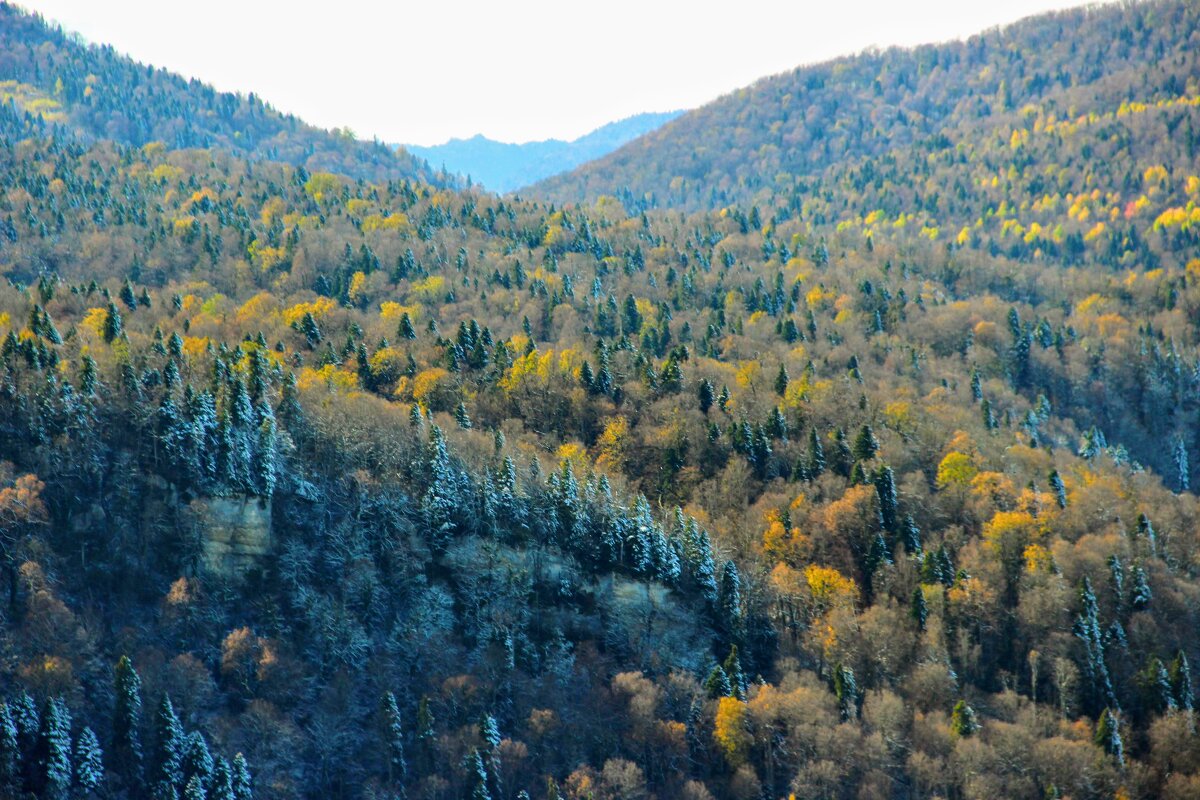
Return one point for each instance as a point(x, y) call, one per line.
point(93, 92)
point(884, 119)
point(503, 167)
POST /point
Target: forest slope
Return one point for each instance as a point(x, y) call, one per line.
point(400, 490)
point(806, 132)
point(97, 93)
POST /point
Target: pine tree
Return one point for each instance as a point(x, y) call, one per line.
point(406, 329)
point(195, 789)
point(865, 444)
point(221, 787)
point(845, 687)
point(729, 599)
point(54, 774)
point(10, 753)
point(112, 327)
point(816, 455)
point(477, 777)
point(1181, 682)
point(918, 609)
point(197, 760)
point(962, 720)
point(733, 669)
point(1183, 470)
point(1087, 631)
point(393, 737)
point(717, 683)
point(242, 785)
point(1059, 488)
point(461, 416)
point(705, 394)
point(1108, 735)
point(166, 760)
point(89, 762)
point(127, 717)
point(910, 535)
point(1139, 589)
point(781, 380)
point(885, 488)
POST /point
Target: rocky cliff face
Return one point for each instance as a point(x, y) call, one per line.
point(235, 532)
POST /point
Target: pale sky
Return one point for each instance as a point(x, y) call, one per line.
point(422, 72)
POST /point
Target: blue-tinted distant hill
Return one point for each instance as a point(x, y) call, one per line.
point(503, 167)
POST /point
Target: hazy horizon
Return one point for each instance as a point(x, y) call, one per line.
point(332, 71)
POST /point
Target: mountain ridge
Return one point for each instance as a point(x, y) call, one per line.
point(507, 166)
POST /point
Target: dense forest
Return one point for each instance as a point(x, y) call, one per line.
point(322, 484)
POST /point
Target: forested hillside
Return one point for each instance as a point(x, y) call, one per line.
point(504, 167)
point(312, 486)
point(93, 92)
point(955, 133)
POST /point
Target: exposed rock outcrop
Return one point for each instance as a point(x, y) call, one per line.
point(235, 532)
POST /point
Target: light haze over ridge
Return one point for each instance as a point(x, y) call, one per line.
point(515, 72)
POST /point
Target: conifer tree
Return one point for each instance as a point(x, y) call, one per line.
point(127, 716)
point(221, 787)
point(918, 609)
point(54, 774)
point(962, 720)
point(717, 683)
point(242, 786)
point(197, 761)
point(845, 687)
point(10, 752)
point(1108, 735)
point(393, 736)
point(112, 326)
point(89, 762)
point(865, 444)
point(166, 760)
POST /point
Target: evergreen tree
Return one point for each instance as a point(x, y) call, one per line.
point(865, 444)
point(717, 683)
point(729, 599)
point(54, 774)
point(733, 669)
point(1098, 685)
point(242, 786)
point(1139, 589)
point(781, 380)
point(10, 753)
point(910, 535)
point(166, 760)
point(112, 327)
point(845, 687)
point(1059, 488)
point(195, 789)
point(221, 787)
point(1181, 682)
point(885, 488)
point(127, 717)
point(706, 395)
point(477, 777)
point(197, 764)
point(461, 416)
point(393, 736)
point(816, 454)
point(962, 720)
point(1108, 735)
point(918, 609)
point(89, 762)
